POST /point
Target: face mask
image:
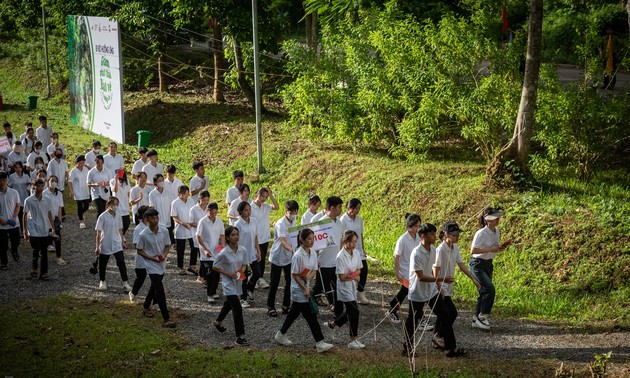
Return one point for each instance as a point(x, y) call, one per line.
point(160, 184)
point(292, 217)
point(38, 150)
point(53, 185)
point(39, 166)
point(58, 156)
point(114, 208)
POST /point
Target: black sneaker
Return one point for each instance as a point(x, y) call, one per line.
point(241, 341)
point(16, 256)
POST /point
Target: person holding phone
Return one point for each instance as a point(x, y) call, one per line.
point(485, 246)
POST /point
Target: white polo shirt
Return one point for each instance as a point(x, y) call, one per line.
point(172, 187)
point(233, 209)
point(446, 259)
point(51, 148)
point(181, 210)
point(94, 175)
point(123, 196)
point(247, 232)
point(44, 135)
point(138, 259)
point(307, 216)
point(195, 215)
point(355, 225)
point(278, 255)
point(262, 213)
point(109, 225)
point(78, 178)
point(195, 184)
point(21, 184)
point(151, 171)
point(59, 169)
point(37, 209)
point(153, 244)
point(231, 261)
point(13, 157)
point(137, 166)
point(8, 202)
point(328, 256)
point(485, 238)
point(231, 194)
point(421, 260)
point(90, 159)
point(30, 160)
point(113, 163)
point(210, 232)
point(301, 262)
point(56, 201)
point(345, 263)
point(134, 194)
point(162, 203)
point(404, 245)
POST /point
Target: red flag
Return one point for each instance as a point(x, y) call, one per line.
point(504, 17)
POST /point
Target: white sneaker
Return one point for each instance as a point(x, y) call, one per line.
point(51, 248)
point(354, 345)
point(330, 332)
point(245, 304)
point(481, 322)
point(393, 317)
point(282, 339)
point(362, 299)
point(216, 296)
point(250, 295)
point(131, 297)
point(61, 261)
point(126, 286)
point(102, 285)
point(211, 299)
point(262, 284)
point(81, 225)
point(360, 344)
point(426, 325)
point(322, 346)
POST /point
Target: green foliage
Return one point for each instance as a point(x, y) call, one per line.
point(598, 367)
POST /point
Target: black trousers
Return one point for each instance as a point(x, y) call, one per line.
point(415, 314)
point(232, 303)
point(351, 315)
point(39, 245)
point(141, 275)
point(395, 303)
point(120, 262)
point(100, 206)
point(211, 275)
point(82, 207)
point(126, 222)
point(253, 278)
point(264, 247)
point(303, 308)
point(450, 306)
point(13, 235)
point(329, 284)
point(443, 315)
point(180, 246)
point(363, 276)
point(157, 294)
point(276, 270)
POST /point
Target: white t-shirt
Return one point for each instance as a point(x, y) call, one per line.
point(59, 169)
point(485, 238)
point(181, 210)
point(30, 160)
point(195, 183)
point(153, 244)
point(162, 203)
point(347, 264)
point(44, 135)
point(29, 144)
point(90, 159)
point(151, 171)
point(56, 202)
point(138, 259)
point(328, 256)
point(94, 175)
point(13, 157)
point(307, 217)
point(355, 225)
point(38, 210)
point(9, 200)
point(262, 213)
point(172, 188)
point(113, 163)
point(21, 184)
point(195, 215)
point(51, 148)
point(231, 261)
point(423, 260)
point(78, 178)
point(137, 166)
point(210, 232)
point(247, 233)
point(123, 196)
point(231, 194)
point(446, 259)
point(134, 194)
point(110, 227)
point(302, 263)
point(233, 209)
point(278, 255)
point(404, 245)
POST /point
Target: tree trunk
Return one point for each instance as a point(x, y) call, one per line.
point(241, 78)
point(219, 64)
point(162, 80)
point(517, 149)
point(311, 30)
point(628, 9)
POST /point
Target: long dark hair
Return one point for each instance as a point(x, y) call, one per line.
point(303, 235)
point(412, 219)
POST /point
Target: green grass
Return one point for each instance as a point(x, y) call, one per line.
point(570, 261)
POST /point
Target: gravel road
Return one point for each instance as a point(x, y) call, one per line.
point(509, 338)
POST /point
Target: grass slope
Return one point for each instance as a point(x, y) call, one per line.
point(571, 258)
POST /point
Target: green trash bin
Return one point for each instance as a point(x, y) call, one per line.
point(32, 102)
point(144, 138)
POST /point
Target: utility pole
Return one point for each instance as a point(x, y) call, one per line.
point(261, 169)
point(46, 51)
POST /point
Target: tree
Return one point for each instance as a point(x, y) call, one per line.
point(517, 149)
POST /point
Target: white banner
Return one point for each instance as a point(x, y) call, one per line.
point(96, 76)
point(5, 146)
point(323, 234)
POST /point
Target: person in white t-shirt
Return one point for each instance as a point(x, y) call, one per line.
point(314, 203)
point(171, 187)
point(98, 182)
point(28, 141)
point(248, 231)
point(9, 223)
point(56, 201)
point(197, 212)
point(261, 210)
point(326, 279)
point(90, 156)
point(160, 201)
point(139, 195)
point(113, 160)
point(232, 213)
point(141, 162)
point(16, 155)
point(348, 270)
point(37, 228)
point(54, 144)
point(351, 220)
point(232, 192)
point(58, 167)
point(21, 182)
point(199, 181)
point(140, 269)
point(180, 214)
point(402, 252)
point(485, 246)
point(110, 241)
point(303, 271)
point(44, 131)
point(210, 235)
point(37, 152)
point(280, 256)
point(79, 190)
point(120, 189)
point(152, 168)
